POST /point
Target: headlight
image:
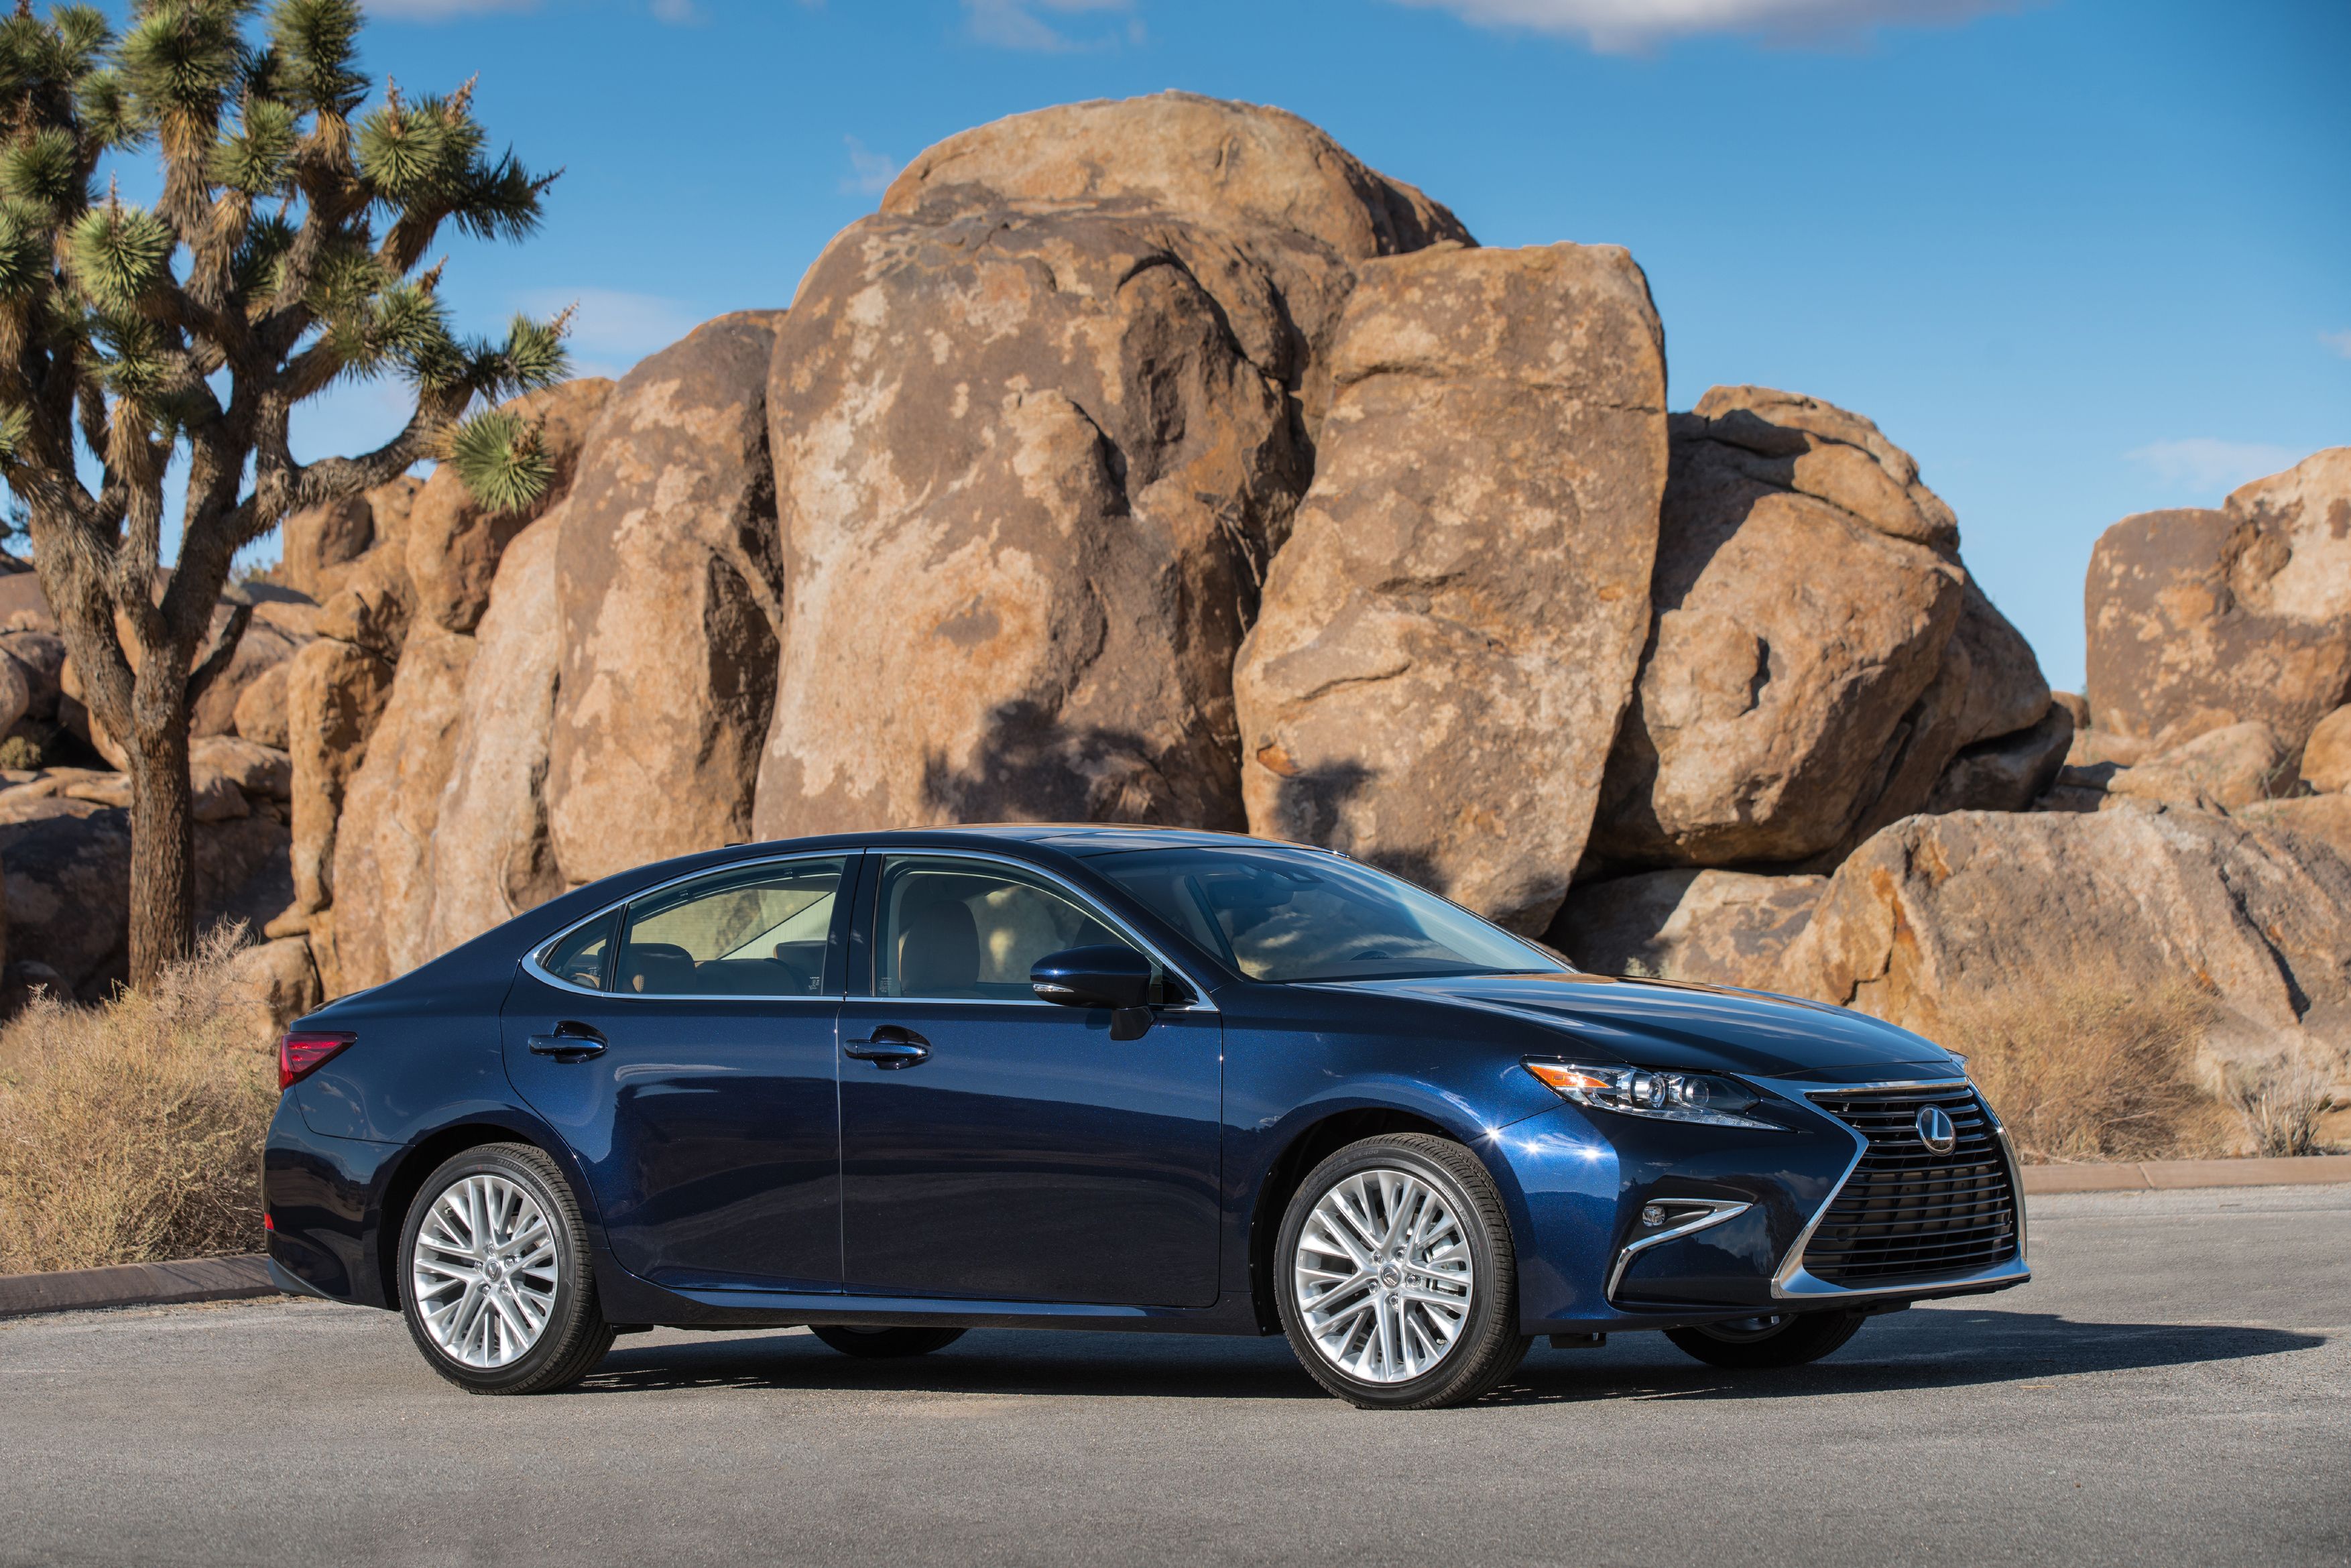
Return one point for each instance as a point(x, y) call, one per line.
point(1667, 1096)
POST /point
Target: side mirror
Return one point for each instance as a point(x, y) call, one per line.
point(1106, 976)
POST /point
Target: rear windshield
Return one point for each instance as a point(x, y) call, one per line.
point(1293, 915)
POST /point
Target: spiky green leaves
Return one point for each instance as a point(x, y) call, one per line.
point(42, 171)
point(15, 429)
point(25, 251)
point(500, 458)
point(182, 58)
point(254, 160)
point(315, 43)
point(116, 254)
point(428, 152)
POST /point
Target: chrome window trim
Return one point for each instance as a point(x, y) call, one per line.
point(1200, 1003)
point(538, 971)
point(1718, 1210)
point(1791, 1281)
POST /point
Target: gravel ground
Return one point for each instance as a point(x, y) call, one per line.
point(2174, 1387)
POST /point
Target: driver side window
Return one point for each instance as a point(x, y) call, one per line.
point(955, 928)
point(757, 931)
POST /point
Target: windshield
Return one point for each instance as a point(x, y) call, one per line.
point(1293, 914)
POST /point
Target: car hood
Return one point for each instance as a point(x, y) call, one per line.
point(1686, 1028)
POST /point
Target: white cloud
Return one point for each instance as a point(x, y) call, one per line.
point(678, 13)
point(1024, 24)
point(614, 326)
point(1617, 27)
point(2338, 341)
point(2204, 464)
point(869, 172)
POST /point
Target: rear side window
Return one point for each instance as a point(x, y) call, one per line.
point(754, 931)
point(578, 957)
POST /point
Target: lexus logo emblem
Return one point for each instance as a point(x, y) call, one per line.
point(1935, 1130)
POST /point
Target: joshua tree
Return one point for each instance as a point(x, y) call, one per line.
point(286, 250)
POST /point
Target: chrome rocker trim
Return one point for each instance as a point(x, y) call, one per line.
point(1792, 1282)
point(1717, 1211)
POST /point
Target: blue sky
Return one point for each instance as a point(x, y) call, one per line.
point(2083, 257)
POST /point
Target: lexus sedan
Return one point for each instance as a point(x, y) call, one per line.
point(894, 1086)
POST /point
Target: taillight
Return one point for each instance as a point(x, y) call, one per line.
point(300, 1055)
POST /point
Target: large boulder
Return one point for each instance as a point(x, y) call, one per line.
point(335, 695)
point(2201, 618)
point(320, 544)
point(1938, 913)
point(1819, 658)
point(1025, 473)
point(491, 854)
point(1260, 202)
point(2326, 756)
point(378, 925)
point(669, 580)
point(452, 542)
point(1446, 640)
point(1716, 928)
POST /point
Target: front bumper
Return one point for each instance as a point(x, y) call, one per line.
point(1745, 1205)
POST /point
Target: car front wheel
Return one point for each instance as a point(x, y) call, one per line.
point(496, 1281)
point(1396, 1276)
point(1786, 1339)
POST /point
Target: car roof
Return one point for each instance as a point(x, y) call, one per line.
point(1082, 839)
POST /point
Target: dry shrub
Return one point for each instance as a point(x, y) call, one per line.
point(2085, 1067)
point(2282, 1105)
point(132, 1131)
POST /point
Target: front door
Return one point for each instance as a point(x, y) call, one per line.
point(684, 1046)
point(996, 1146)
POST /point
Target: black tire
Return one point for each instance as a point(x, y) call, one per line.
point(1489, 1347)
point(1750, 1344)
point(575, 1336)
point(884, 1345)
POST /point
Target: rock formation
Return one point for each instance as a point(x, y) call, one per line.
point(1717, 927)
point(1819, 656)
point(670, 590)
point(1044, 407)
point(1448, 638)
point(2202, 619)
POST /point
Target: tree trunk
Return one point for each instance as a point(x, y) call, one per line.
point(163, 833)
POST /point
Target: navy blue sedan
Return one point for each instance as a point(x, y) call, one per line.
point(894, 1086)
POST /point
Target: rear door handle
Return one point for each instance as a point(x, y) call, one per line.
point(569, 1042)
point(890, 1047)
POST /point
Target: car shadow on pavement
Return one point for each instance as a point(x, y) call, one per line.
point(1942, 1349)
point(1903, 1352)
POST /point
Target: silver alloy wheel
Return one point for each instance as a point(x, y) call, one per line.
point(484, 1270)
point(1383, 1276)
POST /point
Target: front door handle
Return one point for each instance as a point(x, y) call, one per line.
point(569, 1042)
point(890, 1047)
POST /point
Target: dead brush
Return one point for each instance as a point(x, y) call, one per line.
point(2086, 1067)
point(2281, 1103)
point(132, 1131)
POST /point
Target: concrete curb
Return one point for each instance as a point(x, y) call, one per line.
point(136, 1285)
point(2170, 1176)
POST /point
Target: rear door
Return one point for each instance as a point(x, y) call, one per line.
point(685, 1045)
point(998, 1146)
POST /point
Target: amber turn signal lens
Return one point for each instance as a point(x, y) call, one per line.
point(1561, 1077)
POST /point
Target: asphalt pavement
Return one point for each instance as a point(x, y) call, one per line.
point(2174, 1387)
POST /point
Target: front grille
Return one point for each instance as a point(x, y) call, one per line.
point(1908, 1213)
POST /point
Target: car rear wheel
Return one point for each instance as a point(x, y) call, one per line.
point(1397, 1280)
point(1783, 1339)
point(884, 1345)
point(496, 1281)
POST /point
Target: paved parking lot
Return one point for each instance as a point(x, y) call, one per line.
point(2174, 1387)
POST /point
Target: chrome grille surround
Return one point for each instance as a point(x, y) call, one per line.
point(1876, 1177)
